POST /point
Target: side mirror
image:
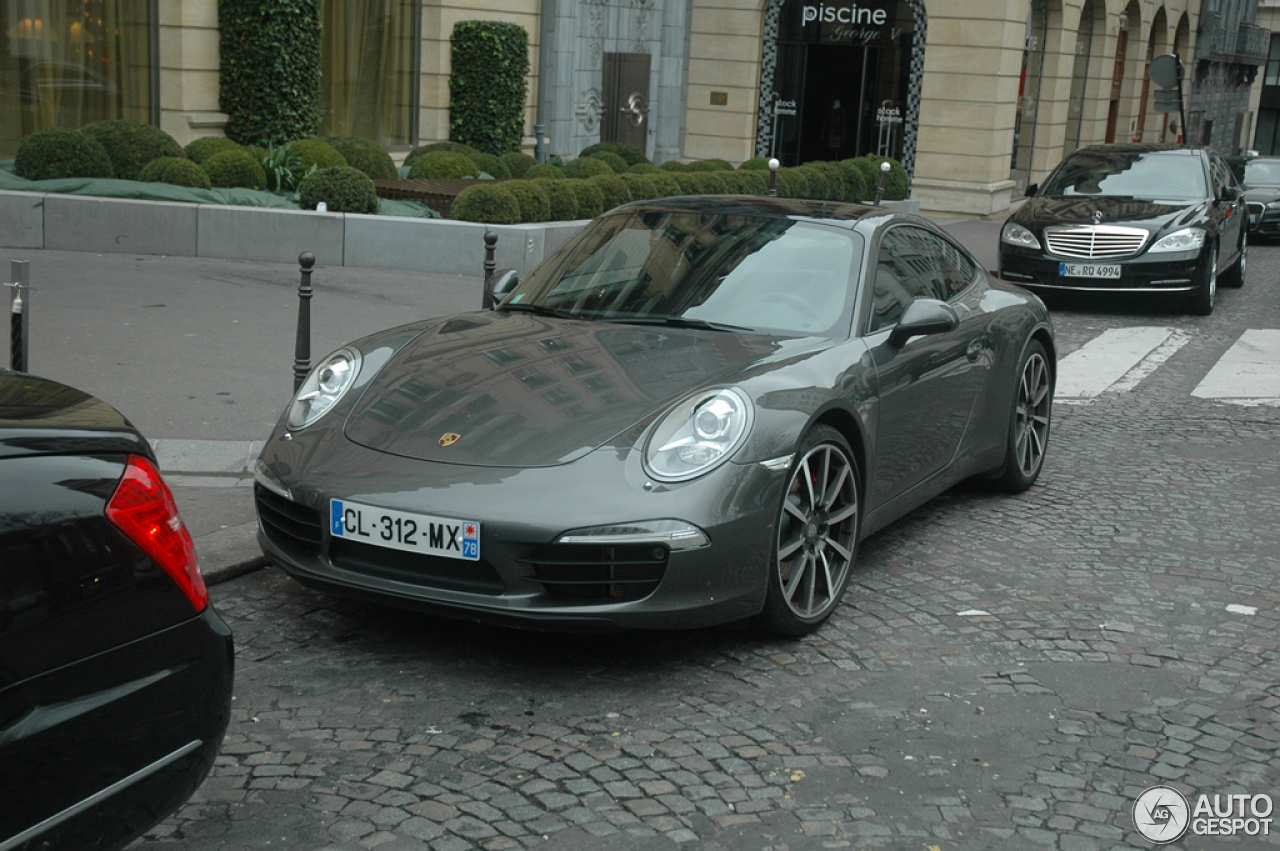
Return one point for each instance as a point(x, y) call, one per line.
point(1031, 189)
point(498, 287)
point(922, 317)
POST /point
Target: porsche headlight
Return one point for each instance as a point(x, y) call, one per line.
point(1016, 234)
point(324, 387)
point(1187, 239)
point(697, 435)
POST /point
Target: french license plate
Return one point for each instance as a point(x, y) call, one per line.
point(1088, 270)
point(1253, 219)
point(403, 530)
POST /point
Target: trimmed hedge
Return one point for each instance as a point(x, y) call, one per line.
point(586, 167)
point(545, 171)
point(269, 77)
point(491, 203)
point(535, 205)
point(132, 144)
point(590, 199)
point(672, 165)
point(366, 155)
point(708, 165)
point(612, 160)
point(563, 201)
point(235, 168)
point(443, 165)
point(178, 171)
point(205, 147)
point(643, 168)
point(314, 152)
point(642, 187)
point(630, 153)
point(487, 84)
point(438, 147)
point(896, 185)
point(755, 164)
point(343, 189)
point(59, 152)
point(613, 190)
point(491, 166)
point(668, 184)
point(819, 185)
point(518, 163)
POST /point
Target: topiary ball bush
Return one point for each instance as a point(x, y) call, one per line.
point(545, 171)
point(702, 183)
point(643, 168)
point(236, 168)
point(205, 147)
point(755, 164)
point(491, 203)
point(820, 188)
point(630, 153)
point(590, 199)
point(643, 187)
point(668, 184)
point(613, 190)
point(586, 167)
point(343, 189)
point(491, 165)
point(560, 195)
point(792, 183)
point(753, 182)
point(615, 162)
point(439, 148)
point(132, 144)
point(314, 152)
point(178, 171)
point(58, 152)
point(708, 165)
point(535, 205)
point(518, 163)
point(442, 165)
point(366, 155)
point(672, 165)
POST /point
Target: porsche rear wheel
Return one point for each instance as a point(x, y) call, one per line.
point(816, 542)
point(1029, 423)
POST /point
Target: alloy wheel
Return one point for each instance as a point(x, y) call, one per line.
point(817, 531)
point(1031, 425)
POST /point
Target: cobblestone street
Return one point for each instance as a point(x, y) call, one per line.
point(1005, 672)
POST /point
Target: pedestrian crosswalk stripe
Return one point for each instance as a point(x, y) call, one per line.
point(1118, 358)
point(1249, 372)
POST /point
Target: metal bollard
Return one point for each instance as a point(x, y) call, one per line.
point(884, 172)
point(302, 346)
point(773, 176)
point(540, 143)
point(20, 316)
point(490, 244)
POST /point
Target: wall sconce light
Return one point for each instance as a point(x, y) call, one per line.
point(1122, 22)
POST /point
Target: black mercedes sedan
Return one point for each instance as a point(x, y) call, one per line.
point(690, 414)
point(1131, 219)
point(1261, 179)
point(115, 670)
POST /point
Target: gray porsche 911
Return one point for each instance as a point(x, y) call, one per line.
point(690, 414)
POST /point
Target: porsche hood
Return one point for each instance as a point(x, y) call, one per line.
point(519, 390)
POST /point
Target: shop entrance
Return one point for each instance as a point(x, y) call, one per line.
point(834, 116)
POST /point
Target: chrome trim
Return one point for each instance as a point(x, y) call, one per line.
point(779, 464)
point(1040, 286)
point(1094, 242)
point(677, 534)
point(262, 476)
point(99, 796)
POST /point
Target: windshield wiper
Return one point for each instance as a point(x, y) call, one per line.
point(541, 310)
point(678, 322)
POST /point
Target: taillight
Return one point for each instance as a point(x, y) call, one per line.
point(143, 508)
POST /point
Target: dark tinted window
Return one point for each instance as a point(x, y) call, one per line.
point(1151, 175)
point(914, 263)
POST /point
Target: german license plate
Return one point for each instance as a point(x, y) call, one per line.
point(1088, 270)
point(403, 530)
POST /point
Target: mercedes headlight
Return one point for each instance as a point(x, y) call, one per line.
point(1187, 239)
point(326, 384)
point(1016, 234)
point(697, 435)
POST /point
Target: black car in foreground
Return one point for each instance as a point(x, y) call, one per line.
point(1131, 219)
point(691, 413)
point(115, 671)
point(1261, 179)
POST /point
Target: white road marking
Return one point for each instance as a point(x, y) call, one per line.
point(1110, 357)
point(1249, 372)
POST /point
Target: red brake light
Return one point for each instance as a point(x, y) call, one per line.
point(143, 508)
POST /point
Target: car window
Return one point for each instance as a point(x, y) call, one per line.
point(914, 263)
point(1149, 175)
point(1221, 172)
point(1262, 173)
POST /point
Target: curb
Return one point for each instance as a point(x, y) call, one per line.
point(229, 553)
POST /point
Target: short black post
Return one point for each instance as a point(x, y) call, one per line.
point(884, 172)
point(490, 244)
point(302, 346)
point(773, 176)
point(20, 316)
point(540, 143)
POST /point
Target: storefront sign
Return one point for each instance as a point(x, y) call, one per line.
point(851, 23)
point(784, 107)
point(889, 114)
point(850, 14)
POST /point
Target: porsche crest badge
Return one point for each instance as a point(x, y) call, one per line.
point(449, 438)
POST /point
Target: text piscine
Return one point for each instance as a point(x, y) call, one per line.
point(845, 15)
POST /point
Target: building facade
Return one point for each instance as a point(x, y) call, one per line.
point(977, 98)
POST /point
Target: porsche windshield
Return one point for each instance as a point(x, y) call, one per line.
point(1143, 175)
point(713, 270)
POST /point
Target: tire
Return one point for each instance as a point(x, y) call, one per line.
point(1029, 421)
point(1201, 299)
point(1234, 277)
point(816, 540)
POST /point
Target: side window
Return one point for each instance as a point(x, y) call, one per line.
point(913, 263)
point(1221, 174)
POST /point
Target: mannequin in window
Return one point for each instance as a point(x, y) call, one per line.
point(833, 126)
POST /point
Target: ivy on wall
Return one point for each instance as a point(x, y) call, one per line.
point(270, 74)
point(487, 86)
